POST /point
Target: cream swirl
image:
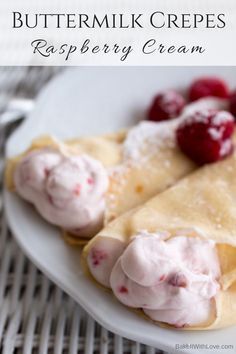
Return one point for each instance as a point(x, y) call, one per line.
point(67, 191)
point(173, 280)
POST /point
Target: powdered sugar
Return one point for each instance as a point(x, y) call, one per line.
point(149, 136)
point(202, 116)
point(206, 103)
point(146, 138)
point(199, 110)
point(198, 117)
point(170, 101)
point(223, 117)
point(226, 147)
point(215, 134)
point(117, 176)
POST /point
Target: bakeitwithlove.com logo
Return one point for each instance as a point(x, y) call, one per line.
point(154, 22)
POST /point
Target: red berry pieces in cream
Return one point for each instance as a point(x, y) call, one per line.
point(206, 136)
point(232, 103)
point(68, 191)
point(166, 105)
point(98, 256)
point(102, 258)
point(123, 290)
point(208, 86)
point(178, 279)
point(184, 297)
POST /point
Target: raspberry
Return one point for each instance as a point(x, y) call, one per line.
point(208, 86)
point(166, 105)
point(232, 101)
point(206, 136)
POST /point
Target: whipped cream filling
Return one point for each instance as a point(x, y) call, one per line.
point(67, 191)
point(102, 258)
point(173, 280)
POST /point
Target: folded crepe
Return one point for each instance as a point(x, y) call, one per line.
point(83, 184)
point(50, 174)
point(174, 258)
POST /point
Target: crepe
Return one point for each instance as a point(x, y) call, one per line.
point(202, 204)
point(141, 161)
point(106, 149)
point(151, 161)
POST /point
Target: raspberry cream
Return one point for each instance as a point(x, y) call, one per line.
point(102, 258)
point(67, 191)
point(173, 280)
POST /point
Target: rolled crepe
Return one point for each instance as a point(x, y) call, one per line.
point(200, 207)
point(140, 163)
point(151, 161)
point(50, 175)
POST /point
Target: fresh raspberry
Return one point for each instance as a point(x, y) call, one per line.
point(232, 101)
point(208, 86)
point(166, 105)
point(206, 136)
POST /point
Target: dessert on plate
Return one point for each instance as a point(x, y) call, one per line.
point(66, 181)
point(173, 259)
point(82, 184)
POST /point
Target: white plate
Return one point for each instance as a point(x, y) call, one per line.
point(89, 101)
